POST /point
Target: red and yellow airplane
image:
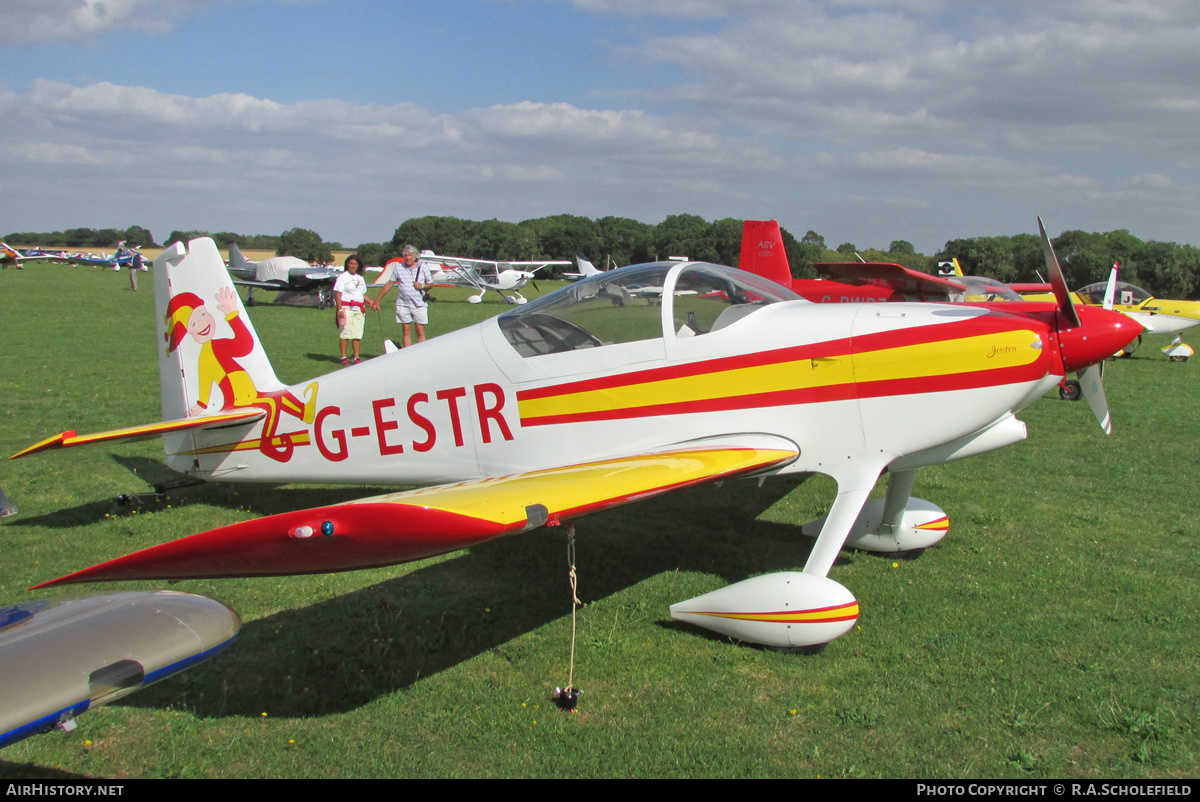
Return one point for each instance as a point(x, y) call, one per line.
point(593, 396)
point(847, 282)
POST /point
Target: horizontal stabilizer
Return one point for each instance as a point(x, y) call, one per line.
point(411, 525)
point(147, 431)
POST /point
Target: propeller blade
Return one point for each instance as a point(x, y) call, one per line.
point(1110, 291)
point(1092, 381)
point(1061, 293)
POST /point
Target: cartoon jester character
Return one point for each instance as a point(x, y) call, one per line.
point(218, 364)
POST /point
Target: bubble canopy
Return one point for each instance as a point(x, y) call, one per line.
point(1126, 294)
point(640, 302)
point(985, 290)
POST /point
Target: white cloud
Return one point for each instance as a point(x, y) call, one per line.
point(1149, 181)
point(917, 119)
point(184, 158)
point(32, 21)
point(1064, 76)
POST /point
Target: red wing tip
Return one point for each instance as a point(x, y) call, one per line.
point(52, 583)
point(56, 441)
point(70, 579)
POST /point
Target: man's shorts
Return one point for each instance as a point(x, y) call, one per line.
point(353, 328)
point(412, 314)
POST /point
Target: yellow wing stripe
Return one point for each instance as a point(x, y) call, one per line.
point(575, 489)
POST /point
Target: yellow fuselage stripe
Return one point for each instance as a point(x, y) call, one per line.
point(960, 355)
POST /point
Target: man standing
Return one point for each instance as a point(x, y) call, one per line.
point(412, 278)
point(349, 295)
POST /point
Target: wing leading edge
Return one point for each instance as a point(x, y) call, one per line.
point(411, 525)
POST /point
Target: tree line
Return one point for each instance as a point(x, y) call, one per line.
point(134, 236)
point(1166, 269)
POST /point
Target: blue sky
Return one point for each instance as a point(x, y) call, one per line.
point(865, 120)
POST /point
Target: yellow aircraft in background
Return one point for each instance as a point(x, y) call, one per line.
point(1157, 315)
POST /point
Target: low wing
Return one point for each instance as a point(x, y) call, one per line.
point(411, 525)
point(146, 431)
point(315, 275)
point(60, 658)
point(885, 274)
point(266, 285)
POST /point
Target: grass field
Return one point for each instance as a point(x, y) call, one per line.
point(1054, 633)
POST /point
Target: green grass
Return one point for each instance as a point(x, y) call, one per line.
point(1052, 634)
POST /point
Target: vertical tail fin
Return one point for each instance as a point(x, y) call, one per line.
point(763, 252)
point(210, 358)
point(238, 263)
point(204, 334)
point(586, 268)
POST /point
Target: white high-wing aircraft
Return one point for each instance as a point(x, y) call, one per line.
point(506, 278)
point(574, 403)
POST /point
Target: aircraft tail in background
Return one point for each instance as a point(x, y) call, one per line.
point(763, 252)
point(586, 268)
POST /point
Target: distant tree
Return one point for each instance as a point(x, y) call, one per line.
point(813, 238)
point(1028, 258)
point(726, 238)
point(371, 254)
point(493, 239)
point(619, 241)
point(901, 246)
point(1169, 270)
point(226, 238)
point(561, 236)
point(810, 248)
point(78, 237)
point(685, 235)
point(448, 236)
point(1083, 256)
point(186, 236)
point(108, 237)
point(847, 248)
point(262, 242)
point(983, 256)
point(304, 244)
point(136, 236)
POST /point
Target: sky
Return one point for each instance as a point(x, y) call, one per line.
point(866, 121)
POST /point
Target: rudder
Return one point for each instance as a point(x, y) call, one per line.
point(210, 358)
point(763, 253)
